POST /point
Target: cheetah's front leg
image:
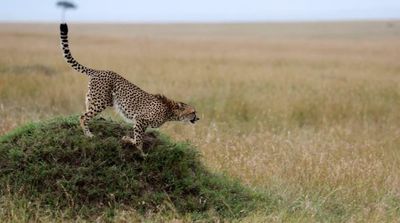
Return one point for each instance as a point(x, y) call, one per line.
point(137, 140)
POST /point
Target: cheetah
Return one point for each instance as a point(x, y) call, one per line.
point(138, 107)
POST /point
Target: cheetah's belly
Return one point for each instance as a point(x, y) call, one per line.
point(120, 110)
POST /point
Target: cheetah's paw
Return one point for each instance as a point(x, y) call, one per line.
point(127, 139)
point(89, 134)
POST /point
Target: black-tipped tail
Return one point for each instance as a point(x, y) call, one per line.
point(67, 53)
point(63, 29)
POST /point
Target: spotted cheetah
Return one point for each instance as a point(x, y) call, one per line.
point(142, 109)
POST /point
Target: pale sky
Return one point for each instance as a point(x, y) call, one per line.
point(200, 10)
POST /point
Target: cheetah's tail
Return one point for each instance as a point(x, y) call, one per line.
point(67, 53)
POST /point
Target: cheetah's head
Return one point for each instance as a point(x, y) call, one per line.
point(179, 110)
point(184, 112)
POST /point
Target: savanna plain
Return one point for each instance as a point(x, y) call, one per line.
point(307, 112)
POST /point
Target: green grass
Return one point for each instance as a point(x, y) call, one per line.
point(53, 165)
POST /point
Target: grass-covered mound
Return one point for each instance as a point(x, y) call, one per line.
point(54, 164)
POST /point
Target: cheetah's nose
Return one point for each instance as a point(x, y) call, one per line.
point(194, 119)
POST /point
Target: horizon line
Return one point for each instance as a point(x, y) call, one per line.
point(203, 22)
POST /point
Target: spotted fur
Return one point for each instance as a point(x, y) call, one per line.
point(142, 109)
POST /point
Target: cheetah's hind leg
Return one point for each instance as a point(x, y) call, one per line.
point(90, 113)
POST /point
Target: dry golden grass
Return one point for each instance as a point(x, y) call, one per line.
point(308, 112)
